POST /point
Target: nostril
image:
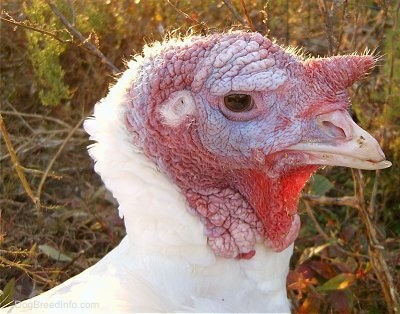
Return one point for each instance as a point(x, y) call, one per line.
point(333, 130)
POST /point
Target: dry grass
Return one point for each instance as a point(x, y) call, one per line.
point(69, 210)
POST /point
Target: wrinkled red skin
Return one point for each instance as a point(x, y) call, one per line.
point(234, 169)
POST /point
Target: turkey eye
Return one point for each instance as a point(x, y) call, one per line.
point(238, 102)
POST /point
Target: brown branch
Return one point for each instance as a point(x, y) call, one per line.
point(84, 41)
point(249, 21)
point(340, 201)
point(12, 21)
point(378, 261)
point(316, 223)
point(235, 13)
point(187, 16)
point(328, 14)
point(342, 24)
point(27, 125)
point(34, 115)
point(372, 202)
point(16, 163)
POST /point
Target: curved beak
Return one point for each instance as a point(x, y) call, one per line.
point(342, 143)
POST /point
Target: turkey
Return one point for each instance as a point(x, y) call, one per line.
point(206, 143)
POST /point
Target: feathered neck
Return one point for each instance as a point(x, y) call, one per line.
point(154, 210)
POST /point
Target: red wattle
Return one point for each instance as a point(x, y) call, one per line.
point(275, 201)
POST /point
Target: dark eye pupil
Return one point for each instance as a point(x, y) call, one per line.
point(238, 102)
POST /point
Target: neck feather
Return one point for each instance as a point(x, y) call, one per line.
point(153, 208)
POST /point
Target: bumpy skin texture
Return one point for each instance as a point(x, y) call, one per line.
point(232, 166)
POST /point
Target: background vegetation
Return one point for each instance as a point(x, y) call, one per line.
point(57, 59)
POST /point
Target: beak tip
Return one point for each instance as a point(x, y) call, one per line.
point(374, 165)
point(386, 164)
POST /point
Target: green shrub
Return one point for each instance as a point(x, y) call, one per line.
point(44, 53)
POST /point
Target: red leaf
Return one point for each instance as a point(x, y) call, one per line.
point(342, 301)
point(322, 268)
point(306, 271)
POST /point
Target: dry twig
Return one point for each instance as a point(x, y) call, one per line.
point(378, 261)
point(249, 21)
point(328, 14)
point(24, 24)
point(84, 41)
point(16, 163)
point(187, 16)
point(37, 116)
point(341, 201)
point(235, 13)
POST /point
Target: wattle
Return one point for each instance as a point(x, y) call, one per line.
point(275, 201)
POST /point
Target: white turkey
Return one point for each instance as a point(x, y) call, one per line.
point(206, 143)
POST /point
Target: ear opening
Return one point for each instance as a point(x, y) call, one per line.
point(175, 110)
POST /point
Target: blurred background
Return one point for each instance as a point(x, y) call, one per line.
point(58, 58)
